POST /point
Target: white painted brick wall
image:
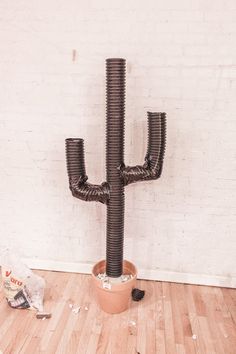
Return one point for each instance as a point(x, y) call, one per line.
point(181, 59)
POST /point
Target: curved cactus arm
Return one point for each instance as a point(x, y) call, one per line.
point(152, 168)
point(79, 186)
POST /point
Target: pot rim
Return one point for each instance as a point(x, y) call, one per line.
point(134, 274)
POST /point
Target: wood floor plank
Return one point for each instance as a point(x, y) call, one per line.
point(177, 315)
point(159, 301)
point(131, 323)
point(199, 301)
point(193, 318)
point(61, 315)
point(216, 314)
point(82, 298)
point(86, 318)
point(189, 345)
point(171, 319)
point(141, 325)
point(149, 303)
point(160, 325)
point(206, 335)
point(73, 305)
point(230, 301)
point(17, 333)
point(168, 320)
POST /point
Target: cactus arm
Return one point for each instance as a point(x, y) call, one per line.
point(79, 186)
point(152, 168)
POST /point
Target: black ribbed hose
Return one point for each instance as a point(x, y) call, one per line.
point(115, 115)
point(75, 159)
point(156, 142)
point(152, 167)
point(79, 186)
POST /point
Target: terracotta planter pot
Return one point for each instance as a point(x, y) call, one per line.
point(117, 298)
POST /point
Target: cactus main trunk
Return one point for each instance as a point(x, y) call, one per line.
point(111, 192)
point(115, 115)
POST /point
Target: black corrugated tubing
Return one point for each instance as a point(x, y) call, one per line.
point(115, 116)
point(118, 175)
point(152, 168)
point(79, 186)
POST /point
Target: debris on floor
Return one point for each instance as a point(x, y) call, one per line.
point(132, 328)
point(43, 315)
point(76, 310)
point(137, 294)
point(194, 336)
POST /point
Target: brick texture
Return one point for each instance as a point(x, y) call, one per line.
point(181, 58)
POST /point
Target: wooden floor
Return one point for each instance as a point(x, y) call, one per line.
point(172, 318)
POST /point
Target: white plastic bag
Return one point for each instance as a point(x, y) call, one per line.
point(23, 289)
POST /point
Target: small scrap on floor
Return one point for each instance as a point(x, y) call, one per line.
point(76, 310)
point(43, 315)
point(132, 328)
point(137, 294)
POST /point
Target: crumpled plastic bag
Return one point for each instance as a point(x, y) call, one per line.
point(23, 289)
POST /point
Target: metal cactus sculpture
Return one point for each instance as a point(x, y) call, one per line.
point(118, 174)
